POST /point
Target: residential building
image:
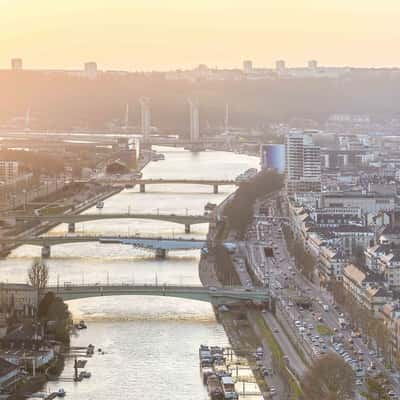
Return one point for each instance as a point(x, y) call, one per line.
point(390, 313)
point(331, 262)
point(368, 202)
point(21, 299)
point(303, 164)
point(366, 288)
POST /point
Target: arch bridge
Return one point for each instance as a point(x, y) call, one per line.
point(143, 182)
point(225, 295)
point(71, 220)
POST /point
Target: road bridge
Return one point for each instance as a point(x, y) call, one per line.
point(71, 219)
point(143, 182)
point(212, 295)
point(160, 245)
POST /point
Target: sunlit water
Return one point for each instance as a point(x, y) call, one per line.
point(150, 343)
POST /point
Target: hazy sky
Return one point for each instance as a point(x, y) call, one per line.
point(167, 34)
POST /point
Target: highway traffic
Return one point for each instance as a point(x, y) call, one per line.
point(307, 312)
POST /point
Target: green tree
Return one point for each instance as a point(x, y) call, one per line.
point(53, 308)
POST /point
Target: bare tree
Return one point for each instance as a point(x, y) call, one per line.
point(330, 378)
point(38, 274)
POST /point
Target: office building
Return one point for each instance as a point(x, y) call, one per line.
point(303, 164)
point(16, 64)
point(273, 157)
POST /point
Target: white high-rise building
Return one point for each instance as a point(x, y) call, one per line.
point(194, 120)
point(16, 64)
point(303, 164)
point(90, 69)
point(145, 115)
point(8, 171)
point(247, 66)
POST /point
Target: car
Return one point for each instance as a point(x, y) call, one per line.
point(359, 382)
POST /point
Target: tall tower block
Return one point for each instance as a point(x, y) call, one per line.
point(145, 115)
point(194, 120)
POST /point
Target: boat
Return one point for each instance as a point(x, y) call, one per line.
point(85, 374)
point(214, 388)
point(210, 206)
point(81, 325)
point(61, 392)
point(100, 205)
point(90, 350)
point(157, 157)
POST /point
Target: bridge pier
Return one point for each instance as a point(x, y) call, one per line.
point(71, 227)
point(187, 228)
point(46, 251)
point(161, 253)
point(215, 189)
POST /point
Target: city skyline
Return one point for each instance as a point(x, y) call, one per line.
point(140, 36)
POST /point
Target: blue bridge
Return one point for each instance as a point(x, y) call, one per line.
point(158, 244)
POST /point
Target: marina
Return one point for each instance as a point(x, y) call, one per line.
point(227, 376)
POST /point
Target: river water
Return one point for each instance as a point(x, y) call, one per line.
point(150, 343)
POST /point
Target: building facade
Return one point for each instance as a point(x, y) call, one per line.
point(303, 164)
point(8, 171)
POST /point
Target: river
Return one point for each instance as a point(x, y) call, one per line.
point(150, 343)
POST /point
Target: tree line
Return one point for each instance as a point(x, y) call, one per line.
point(62, 101)
point(239, 211)
point(363, 320)
point(304, 260)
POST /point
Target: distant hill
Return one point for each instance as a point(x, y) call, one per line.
point(61, 101)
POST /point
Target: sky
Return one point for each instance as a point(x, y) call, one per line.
point(168, 34)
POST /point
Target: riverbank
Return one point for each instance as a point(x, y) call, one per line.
point(43, 227)
point(247, 327)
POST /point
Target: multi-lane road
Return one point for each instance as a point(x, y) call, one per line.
point(317, 329)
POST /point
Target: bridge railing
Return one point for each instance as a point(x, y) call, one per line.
point(70, 286)
point(135, 236)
